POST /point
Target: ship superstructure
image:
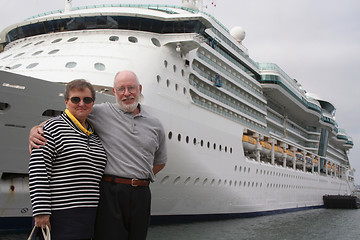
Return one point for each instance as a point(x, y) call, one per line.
point(243, 137)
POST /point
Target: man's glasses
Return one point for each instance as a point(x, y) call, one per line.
point(86, 100)
point(122, 90)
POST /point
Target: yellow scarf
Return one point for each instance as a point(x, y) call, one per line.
point(88, 133)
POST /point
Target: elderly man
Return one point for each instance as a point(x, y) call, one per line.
point(134, 142)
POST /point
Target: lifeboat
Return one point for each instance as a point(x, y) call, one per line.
point(249, 143)
point(266, 147)
point(290, 155)
point(278, 151)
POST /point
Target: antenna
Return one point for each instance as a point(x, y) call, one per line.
point(68, 5)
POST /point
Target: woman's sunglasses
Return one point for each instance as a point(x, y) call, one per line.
point(86, 100)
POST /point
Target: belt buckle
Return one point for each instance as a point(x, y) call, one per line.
point(132, 182)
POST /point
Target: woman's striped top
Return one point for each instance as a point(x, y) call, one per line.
point(65, 173)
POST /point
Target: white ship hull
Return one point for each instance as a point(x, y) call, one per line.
point(208, 173)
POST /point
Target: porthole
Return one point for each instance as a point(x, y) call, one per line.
point(32, 65)
point(164, 180)
point(26, 45)
point(158, 78)
point(196, 181)
point(220, 147)
point(176, 87)
point(114, 38)
point(7, 56)
point(176, 181)
point(194, 141)
point(182, 72)
point(18, 55)
point(214, 146)
point(165, 64)
point(201, 143)
point(205, 181)
point(179, 137)
point(155, 42)
point(208, 144)
point(56, 40)
point(15, 66)
point(4, 106)
point(38, 43)
point(170, 135)
point(132, 39)
point(187, 180)
point(54, 51)
point(235, 168)
point(184, 90)
point(187, 139)
point(70, 64)
point(99, 66)
point(36, 53)
point(167, 83)
point(72, 39)
point(174, 67)
point(51, 113)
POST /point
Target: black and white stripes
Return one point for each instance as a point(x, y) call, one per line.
point(66, 172)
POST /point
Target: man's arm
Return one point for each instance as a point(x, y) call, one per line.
point(36, 138)
point(158, 168)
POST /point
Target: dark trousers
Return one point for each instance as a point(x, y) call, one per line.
point(123, 212)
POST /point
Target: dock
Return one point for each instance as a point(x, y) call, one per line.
point(341, 201)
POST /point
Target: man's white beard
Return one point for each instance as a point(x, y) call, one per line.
point(127, 107)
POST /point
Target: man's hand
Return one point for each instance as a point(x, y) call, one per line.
point(36, 138)
point(42, 220)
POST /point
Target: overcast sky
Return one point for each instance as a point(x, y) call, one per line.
point(316, 42)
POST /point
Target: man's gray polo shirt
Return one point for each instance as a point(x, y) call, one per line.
point(133, 144)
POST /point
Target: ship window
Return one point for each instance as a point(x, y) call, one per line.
point(174, 67)
point(179, 137)
point(114, 38)
point(70, 64)
point(26, 45)
point(170, 135)
point(32, 65)
point(18, 55)
point(214, 146)
point(38, 43)
point(194, 141)
point(15, 66)
point(4, 106)
point(99, 66)
point(202, 143)
point(54, 51)
point(52, 113)
point(37, 53)
point(187, 139)
point(182, 72)
point(72, 39)
point(208, 144)
point(158, 78)
point(7, 56)
point(132, 39)
point(184, 90)
point(165, 64)
point(167, 83)
point(155, 42)
point(56, 40)
point(176, 87)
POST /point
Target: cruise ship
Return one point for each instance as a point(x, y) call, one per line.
point(244, 138)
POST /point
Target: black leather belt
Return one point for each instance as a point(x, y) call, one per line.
point(132, 182)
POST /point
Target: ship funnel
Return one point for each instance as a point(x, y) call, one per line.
point(193, 4)
point(68, 5)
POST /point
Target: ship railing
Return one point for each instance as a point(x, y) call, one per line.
point(229, 74)
point(226, 87)
point(241, 109)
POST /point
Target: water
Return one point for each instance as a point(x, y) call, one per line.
point(329, 224)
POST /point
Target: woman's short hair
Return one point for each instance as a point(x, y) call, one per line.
point(79, 84)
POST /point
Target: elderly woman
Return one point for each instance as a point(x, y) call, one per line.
point(64, 174)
